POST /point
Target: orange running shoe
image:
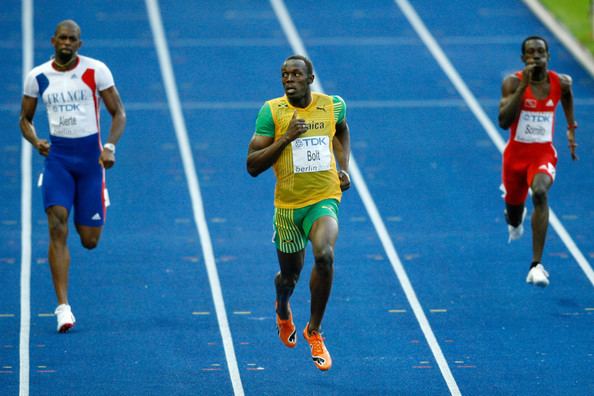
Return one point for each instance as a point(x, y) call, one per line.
point(319, 353)
point(286, 330)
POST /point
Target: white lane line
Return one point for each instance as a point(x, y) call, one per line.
point(487, 124)
point(359, 182)
point(581, 54)
point(194, 189)
point(26, 183)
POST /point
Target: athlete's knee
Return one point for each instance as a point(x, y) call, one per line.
point(58, 227)
point(324, 259)
point(89, 236)
point(539, 196)
point(89, 242)
point(288, 281)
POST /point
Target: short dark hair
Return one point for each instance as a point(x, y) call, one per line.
point(307, 62)
point(68, 23)
point(534, 38)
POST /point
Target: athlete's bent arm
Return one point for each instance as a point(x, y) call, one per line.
point(567, 103)
point(342, 152)
point(263, 151)
point(28, 106)
point(512, 91)
point(114, 106)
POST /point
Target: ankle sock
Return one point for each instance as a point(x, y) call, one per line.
point(534, 264)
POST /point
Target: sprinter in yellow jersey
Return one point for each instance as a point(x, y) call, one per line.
point(303, 136)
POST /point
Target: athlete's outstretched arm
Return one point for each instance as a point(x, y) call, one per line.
point(113, 104)
point(567, 103)
point(28, 106)
point(342, 152)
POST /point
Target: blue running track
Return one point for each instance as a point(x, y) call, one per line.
point(178, 299)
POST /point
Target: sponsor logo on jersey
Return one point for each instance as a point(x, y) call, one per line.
point(531, 103)
point(537, 117)
point(311, 141)
point(550, 103)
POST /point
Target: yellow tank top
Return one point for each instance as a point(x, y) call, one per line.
point(306, 169)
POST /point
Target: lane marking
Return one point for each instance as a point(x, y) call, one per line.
point(484, 120)
point(26, 183)
point(359, 182)
point(194, 189)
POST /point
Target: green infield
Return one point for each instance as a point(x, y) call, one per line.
point(576, 16)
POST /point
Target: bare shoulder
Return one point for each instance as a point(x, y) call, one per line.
point(510, 83)
point(565, 80)
point(511, 77)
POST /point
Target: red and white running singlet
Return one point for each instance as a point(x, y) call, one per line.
point(537, 118)
point(530, 147)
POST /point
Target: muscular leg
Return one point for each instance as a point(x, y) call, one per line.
point(285, 280)
point(89, 236)
point(323, 236)
point(540, 218)
point(59, 255)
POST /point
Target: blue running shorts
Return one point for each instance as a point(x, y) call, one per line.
point(73, 177)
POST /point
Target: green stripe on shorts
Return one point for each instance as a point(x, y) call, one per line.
point(288, 236)
point(292, 226)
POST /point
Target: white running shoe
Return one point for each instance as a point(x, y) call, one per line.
point(65, 318)
point(516, 233)
point(538, 276)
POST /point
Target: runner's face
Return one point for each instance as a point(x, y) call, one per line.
point(535, 52)
point(295, 78)
point(66, 42)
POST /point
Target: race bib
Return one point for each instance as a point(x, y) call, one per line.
point(535, 127)
point(311, 154)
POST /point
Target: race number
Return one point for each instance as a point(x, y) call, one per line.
point(535, 127)
point(311, 154)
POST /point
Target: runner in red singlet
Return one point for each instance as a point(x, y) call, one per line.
point(527, 107)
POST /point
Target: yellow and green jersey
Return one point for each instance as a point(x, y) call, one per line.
point(306, 169)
